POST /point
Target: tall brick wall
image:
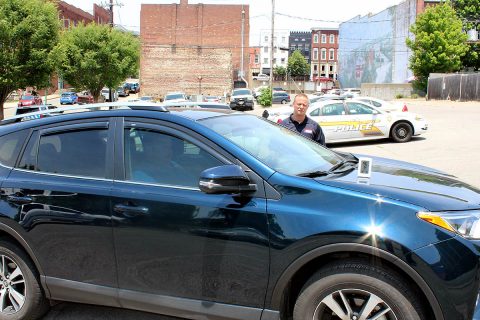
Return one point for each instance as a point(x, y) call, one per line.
point(196, 29)
point(179, 70)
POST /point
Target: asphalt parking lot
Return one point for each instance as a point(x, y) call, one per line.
point(451, 145)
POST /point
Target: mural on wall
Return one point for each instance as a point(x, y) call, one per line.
point(372, 48)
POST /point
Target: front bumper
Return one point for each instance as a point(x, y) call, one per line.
point(451, 269)
point(420, 127)
point(241, 105)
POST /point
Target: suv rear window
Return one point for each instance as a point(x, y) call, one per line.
point(10, 145)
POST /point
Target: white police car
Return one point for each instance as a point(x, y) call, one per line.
point(350, 120)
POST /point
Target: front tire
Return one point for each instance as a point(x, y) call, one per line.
point(356, 290)
point(401, 132)
point(21, 296)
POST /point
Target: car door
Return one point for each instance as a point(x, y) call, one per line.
point(365, 121)
point(172, 240)
point(331, 116)
point(59, 193)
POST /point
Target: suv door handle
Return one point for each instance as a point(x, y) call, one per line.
point(19, 199)
point(130, 211)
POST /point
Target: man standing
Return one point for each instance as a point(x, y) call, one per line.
point(298, 120)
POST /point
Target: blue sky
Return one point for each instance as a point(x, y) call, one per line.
point(297, 15)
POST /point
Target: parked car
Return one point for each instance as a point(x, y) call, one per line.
point(278, 89)
point(201, 214)
point(384, 105)
point(106, 94)
point(351, 92)
point(241, 99)
point(194, 104)
point(27, 100)
point(69, 98)
point(146, 98)
point(261, 77)
point(133, 87)
point(175, 97)
point(350, 120)
point(280, 97)
point(212, 99)
point(123, 91)
point(85, 97)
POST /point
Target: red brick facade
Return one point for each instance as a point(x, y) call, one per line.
point(324, 53)
point(181, 42)
point(254, 62)
point(71, 15)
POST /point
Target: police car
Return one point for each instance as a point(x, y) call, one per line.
point(350, 120)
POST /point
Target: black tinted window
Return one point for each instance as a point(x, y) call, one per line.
point(155, 157)
point(79, 153)
point(10, 146)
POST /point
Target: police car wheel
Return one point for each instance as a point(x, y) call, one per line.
point(401, 132)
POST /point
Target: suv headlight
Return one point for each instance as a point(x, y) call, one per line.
point(465, 223)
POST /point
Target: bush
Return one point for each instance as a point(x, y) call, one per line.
point(414, 96)
point(265, 97)
point(399, 96)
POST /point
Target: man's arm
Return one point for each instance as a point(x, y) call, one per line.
point(319, 136)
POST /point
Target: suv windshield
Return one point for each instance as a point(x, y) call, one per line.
point(241, 92)
point(274, 145)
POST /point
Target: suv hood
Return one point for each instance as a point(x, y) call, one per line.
point(418, 185)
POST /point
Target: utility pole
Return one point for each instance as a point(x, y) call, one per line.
point(271, 48)
point(243, 31)
point(110, 93)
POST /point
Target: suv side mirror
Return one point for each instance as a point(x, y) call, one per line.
point(227, 179)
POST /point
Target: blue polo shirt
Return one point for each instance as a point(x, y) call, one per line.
point(307, 128)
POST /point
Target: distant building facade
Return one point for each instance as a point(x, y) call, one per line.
point(254, 62)
point(302, 41)
point(194, 48)
point(280, 49)
point(324, 54)
point(71, 15)
point(373, 49)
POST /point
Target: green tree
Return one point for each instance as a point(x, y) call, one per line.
point(298, 65)
point(469, 12)
point(29, 30)
point(439, 43)
point(265, 98)
point(90, 57)
point(280, 71)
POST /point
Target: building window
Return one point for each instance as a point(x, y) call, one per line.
point(323, 68)
point(283, 60)
point(283, 39)
point(324, 38)
point(265, 49)
point(332, 38)
point(257, 58)
point(266, 38)
point(274, 60)
point(331, 68)
point(315, 68)
point(315, 38)
point(324, 54)
point(292, 48)
point(265, 60)
point(331, 54)
point(303, 39)
point(315, 54)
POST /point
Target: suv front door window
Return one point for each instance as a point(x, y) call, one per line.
point(199, 241)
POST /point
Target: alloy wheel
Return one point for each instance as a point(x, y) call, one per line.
point(353, 304)
point(12, 286)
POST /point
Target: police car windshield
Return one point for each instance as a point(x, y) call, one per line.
point(279, 148)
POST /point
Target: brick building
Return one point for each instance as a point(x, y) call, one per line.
point(195, 48)
point(324, 53)
point(302, 41)
point(69, 16)
point(254, 62)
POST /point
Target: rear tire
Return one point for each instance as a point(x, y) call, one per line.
point(401, 132)
point(20, 289)
point(356, 290)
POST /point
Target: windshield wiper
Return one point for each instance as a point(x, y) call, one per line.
point(313, 174)
point(342, 163)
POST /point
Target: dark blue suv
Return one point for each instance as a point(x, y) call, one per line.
point(204, 214)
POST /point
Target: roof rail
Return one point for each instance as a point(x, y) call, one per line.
point(137, 105)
